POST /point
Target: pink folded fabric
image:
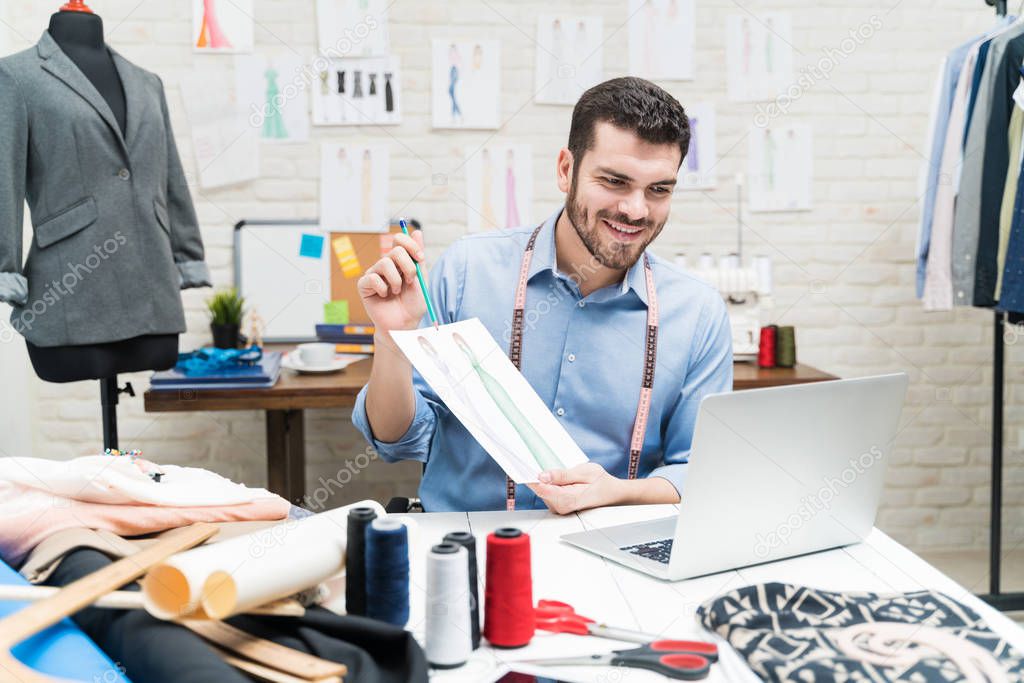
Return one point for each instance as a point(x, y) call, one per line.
point(38, 514)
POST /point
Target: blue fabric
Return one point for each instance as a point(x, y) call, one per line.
point(950, 78)
point(1011, 297)
point(61, 650)
point(583, 356)
point(210, 360)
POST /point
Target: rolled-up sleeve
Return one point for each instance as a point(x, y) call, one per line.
point(710, 372)
point(414, 444)
point(446, 282)
point(13, 170)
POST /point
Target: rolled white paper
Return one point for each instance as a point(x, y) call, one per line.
point(227, 578)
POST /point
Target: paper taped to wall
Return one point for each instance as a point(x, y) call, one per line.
point(472, 375)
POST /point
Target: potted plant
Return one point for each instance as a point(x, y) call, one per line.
point(226, 310)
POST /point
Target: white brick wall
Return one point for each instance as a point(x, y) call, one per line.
point(844, 271)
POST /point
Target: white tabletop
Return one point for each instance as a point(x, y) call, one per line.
point(621, 597)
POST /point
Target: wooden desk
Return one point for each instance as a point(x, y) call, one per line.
point(285, 402)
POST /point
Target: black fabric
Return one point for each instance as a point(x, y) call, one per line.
point(794, 633)
point(997, 158)
point(151, 650)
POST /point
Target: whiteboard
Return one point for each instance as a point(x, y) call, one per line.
point(288, 290)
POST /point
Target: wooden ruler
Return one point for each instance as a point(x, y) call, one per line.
point(82, 593)
point(299, 665)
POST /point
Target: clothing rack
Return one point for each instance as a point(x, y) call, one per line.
point(995, 597)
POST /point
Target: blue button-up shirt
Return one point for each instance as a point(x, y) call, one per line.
point(582, 355)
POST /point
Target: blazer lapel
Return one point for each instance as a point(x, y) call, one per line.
point(134, 95)
point(61, 66)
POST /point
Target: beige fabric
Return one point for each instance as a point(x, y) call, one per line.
point(47, 556)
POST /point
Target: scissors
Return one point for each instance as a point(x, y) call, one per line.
point(682, 660)
point(560, 617)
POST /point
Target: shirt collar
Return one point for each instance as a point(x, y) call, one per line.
point(544, 260)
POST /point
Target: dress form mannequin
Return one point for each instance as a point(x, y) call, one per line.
point(79, 33)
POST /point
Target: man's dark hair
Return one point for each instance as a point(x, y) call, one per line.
point(632, 104)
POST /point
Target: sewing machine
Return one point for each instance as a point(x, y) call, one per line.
point(747, 294)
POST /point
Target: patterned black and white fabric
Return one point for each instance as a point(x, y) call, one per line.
point(795, 633)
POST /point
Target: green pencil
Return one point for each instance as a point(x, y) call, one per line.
point(419, 276)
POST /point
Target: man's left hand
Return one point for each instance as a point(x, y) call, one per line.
point(578, 488)
point(590, 486)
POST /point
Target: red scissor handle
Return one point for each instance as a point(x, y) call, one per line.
point(551, 609)
point(572, 625)
point(696, 647)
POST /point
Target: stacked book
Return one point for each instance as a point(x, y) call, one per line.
point(347, 338)
point(262, 374)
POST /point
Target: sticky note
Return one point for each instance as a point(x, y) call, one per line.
point(336, 312)
point(346, 255)
point(312, 246)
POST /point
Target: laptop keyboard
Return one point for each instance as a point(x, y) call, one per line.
point(659, 551)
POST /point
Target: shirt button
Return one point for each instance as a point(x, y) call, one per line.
point(124, 174)
point(960, 294)
point(560, 412)
point(967, 257)
point(581, 304)
point(572, 357)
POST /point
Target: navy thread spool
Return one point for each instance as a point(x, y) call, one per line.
point(387, 571)
point(468, 541)
point(355, 560)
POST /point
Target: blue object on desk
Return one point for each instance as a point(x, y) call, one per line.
point(61, 650)
point(261, 375)
point(208, 361)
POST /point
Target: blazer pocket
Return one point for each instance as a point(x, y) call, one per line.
point(66, 223)
point(161, 216)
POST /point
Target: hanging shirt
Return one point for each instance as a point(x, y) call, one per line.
point(582, 355)
point(942, 104)
point(982, 157)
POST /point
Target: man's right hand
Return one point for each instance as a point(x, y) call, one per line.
point(390, 290)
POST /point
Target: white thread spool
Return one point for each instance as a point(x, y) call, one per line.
point(448, 631)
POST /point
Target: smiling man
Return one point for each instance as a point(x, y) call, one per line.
point(619, 344)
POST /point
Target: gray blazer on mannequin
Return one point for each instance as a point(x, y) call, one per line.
point(115, 233)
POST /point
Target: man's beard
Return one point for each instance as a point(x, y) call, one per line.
point(609, 253)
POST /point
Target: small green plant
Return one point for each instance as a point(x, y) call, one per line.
point(226, 307)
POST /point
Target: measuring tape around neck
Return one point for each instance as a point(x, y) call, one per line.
point(643, 408)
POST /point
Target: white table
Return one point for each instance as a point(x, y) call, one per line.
point(618, 596)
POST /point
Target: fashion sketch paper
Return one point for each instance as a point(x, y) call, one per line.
point(476, 380)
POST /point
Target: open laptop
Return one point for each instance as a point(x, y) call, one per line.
point(773, 473)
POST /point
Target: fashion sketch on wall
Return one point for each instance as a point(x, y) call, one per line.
point(354, 187)
point(568, 57)
point(661, 39)
point(222, 25)
point(353, 92)
point(465, 366)
point(353, 28)
point(780, 168)
point(466, 84)
point(224, 141)
point(271, 92)
point(499, 187)
point(698, 170)
point(759, 56)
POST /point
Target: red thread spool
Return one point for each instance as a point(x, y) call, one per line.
point(76, 6)
point(766, 348)
point(508, 601)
